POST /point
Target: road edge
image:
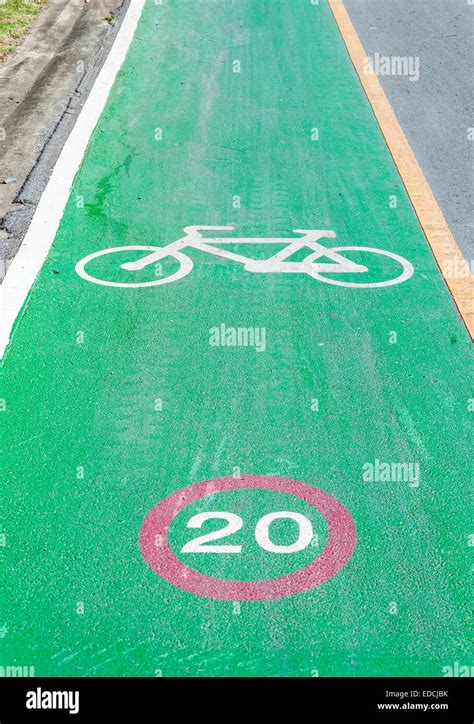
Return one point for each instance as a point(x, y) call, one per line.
point(42, 230)
point(435, 228)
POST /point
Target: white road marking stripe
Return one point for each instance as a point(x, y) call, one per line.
point(44, 225)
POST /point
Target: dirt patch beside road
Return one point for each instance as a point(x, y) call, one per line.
point(15, 19)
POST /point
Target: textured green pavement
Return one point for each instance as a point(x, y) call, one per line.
point(114, 397)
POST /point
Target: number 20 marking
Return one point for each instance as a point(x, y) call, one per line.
point(262, 533)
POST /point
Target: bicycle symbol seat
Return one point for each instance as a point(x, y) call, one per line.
point(335, 261)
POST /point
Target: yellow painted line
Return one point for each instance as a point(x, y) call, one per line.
point(451, 262)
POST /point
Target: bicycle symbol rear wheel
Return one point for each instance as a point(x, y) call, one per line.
point(407, 269)
point(185, 266)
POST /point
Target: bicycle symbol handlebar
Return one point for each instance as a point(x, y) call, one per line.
point(336, 262)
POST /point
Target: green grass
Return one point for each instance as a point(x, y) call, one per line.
point(15, 20)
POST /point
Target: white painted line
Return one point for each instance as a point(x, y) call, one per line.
point(44, 225)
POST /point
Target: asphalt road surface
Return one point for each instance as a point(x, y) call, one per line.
point(436, 109)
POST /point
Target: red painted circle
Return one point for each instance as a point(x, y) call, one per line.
point(338, 551)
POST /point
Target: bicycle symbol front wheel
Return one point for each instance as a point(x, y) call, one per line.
point(407, 269)
point(185, 266)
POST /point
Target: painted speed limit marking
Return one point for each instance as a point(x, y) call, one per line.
point(262, 533)
point(337, 552)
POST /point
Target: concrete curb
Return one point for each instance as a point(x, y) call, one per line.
point(43, 88)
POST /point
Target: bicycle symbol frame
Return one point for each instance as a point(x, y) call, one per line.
point(276, 264)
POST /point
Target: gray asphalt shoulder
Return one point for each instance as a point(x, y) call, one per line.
point(431, 43)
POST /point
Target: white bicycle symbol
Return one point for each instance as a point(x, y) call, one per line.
point(276, 264)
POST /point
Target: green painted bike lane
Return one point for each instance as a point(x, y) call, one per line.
point(115, 397)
